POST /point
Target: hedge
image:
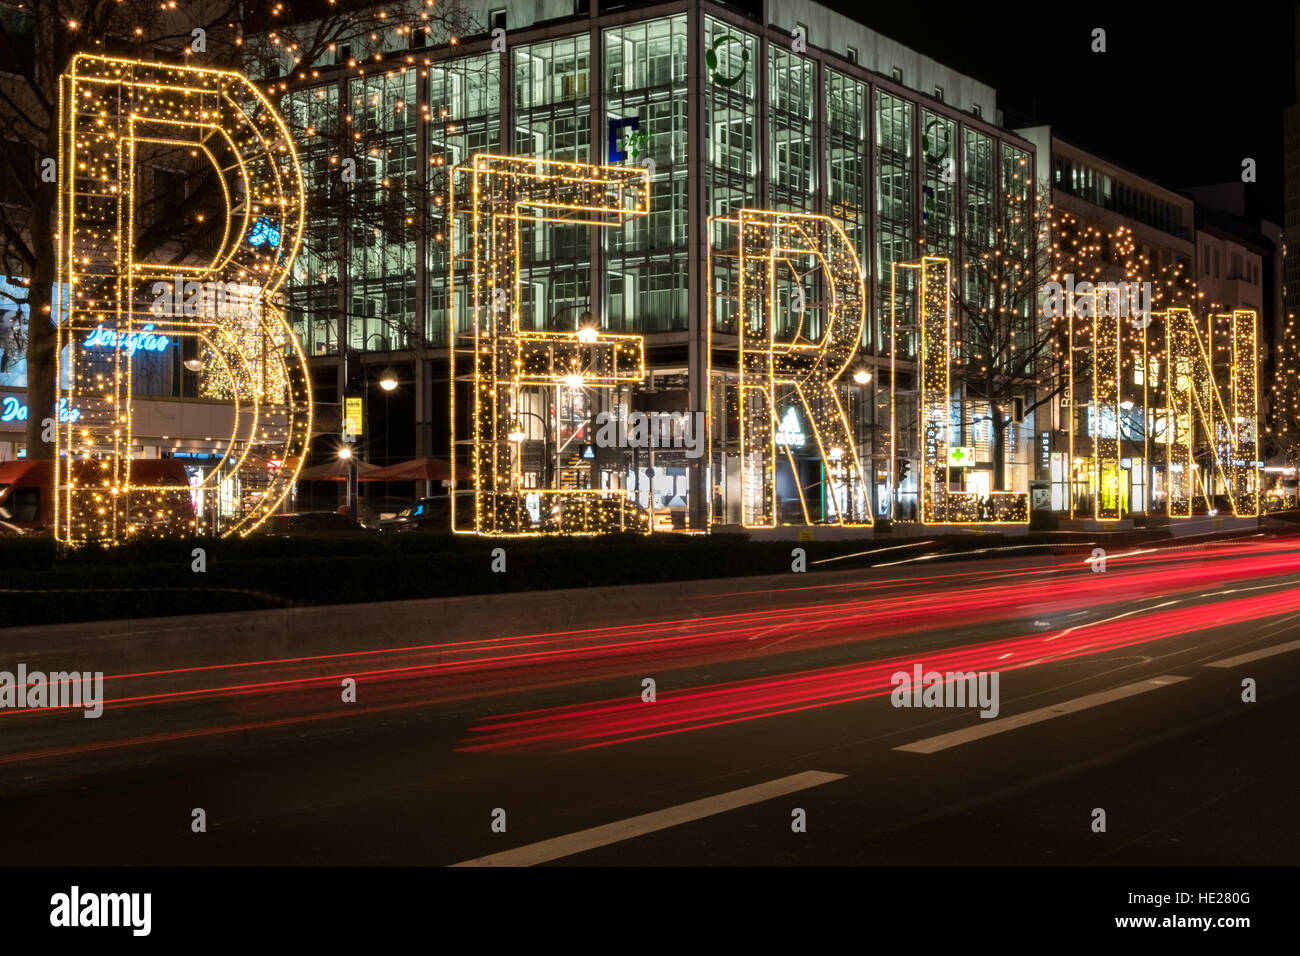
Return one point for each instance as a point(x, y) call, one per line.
point(44, 584)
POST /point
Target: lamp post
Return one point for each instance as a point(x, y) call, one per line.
point(588, 330)
point(388, 382)
point(862, 378)
point(518, 434)
point(346, 454)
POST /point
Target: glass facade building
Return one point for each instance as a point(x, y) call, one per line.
point(728, 115)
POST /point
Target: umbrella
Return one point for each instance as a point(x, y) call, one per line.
point(335, 470)
point(419, 469)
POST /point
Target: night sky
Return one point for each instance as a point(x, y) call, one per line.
point(1182, 94)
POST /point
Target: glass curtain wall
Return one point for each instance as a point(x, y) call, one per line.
point(465, 118)
point(313, 285)
point(792, 123)
point(387, 215)
point(646, 260)
point(792, 178)
point(552, 102)
point(847, 192)
point(731, 148)
point(895, 240)
point(939, 184)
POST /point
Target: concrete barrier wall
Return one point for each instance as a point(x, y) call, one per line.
point(150, 644)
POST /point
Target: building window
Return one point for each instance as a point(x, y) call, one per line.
point(497, 19)
point(851, 54)
point(938, 93)
point(897, 74)
point(1216, 263)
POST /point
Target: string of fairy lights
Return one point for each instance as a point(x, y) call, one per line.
point(1172, 366)
point(254, 361)
point(782, 365)
point(1283, 430)
point(502, 360)
point(115, 115)
point(1198, 412)
point(921, 311)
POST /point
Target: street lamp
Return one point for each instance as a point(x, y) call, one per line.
point(388, 379)
point(518, 434)
point(861, 378)
point(346, 454)
point(584, 319)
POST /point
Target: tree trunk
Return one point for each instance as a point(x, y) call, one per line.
point(999, 451)
point(42, 389)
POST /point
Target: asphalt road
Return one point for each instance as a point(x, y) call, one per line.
point(1118, 690)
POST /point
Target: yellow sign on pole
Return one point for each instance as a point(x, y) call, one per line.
point(353, 418)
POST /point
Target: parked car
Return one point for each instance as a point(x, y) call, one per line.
point(433, 515)
point(314, 524)
point(27, 494)
point(427, 514)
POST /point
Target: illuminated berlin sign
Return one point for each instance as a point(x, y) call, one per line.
point(118, 117)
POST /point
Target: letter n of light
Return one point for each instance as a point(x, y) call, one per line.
point(1196, 406)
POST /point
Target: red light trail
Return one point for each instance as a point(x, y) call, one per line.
point(200, 700)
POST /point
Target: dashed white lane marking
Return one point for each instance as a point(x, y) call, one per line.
point(1255, 655)
point(583, 840)
point(989, 728)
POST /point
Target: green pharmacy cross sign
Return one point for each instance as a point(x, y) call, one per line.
point(961, 456)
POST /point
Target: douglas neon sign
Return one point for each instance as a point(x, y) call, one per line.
point(143, 341)
point(12, 409)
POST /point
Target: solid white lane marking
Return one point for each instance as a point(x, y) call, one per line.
point(1258, 587)
point(988, 728)
point(1255, 655)
point(583, 840)
point(1107, 620)
point(859, 554)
